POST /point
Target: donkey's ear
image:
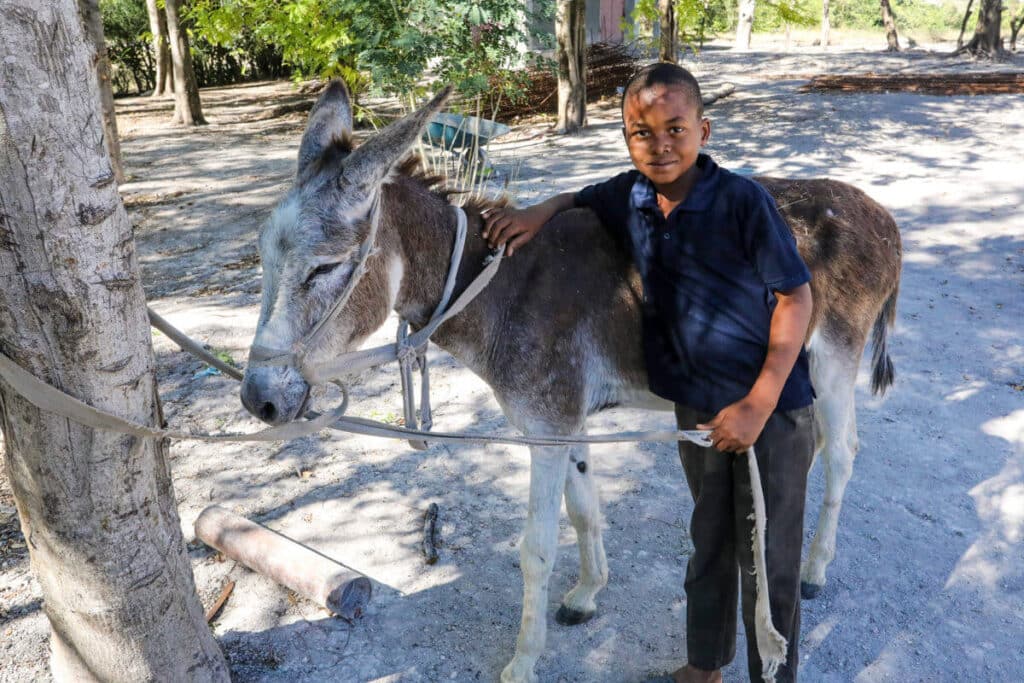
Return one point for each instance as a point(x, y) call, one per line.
point(330, 119)
point(371, 163)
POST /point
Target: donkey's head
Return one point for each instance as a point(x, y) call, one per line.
point(310, 249)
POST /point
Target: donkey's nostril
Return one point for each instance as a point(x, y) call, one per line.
point(268, 411)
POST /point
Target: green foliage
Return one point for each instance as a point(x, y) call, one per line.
point(126, 30)
point(479, 44)
point(695, 21)
point(775, 15)
point(910, 14)
point(381, 46)
point(307, 32)
point(129, 44)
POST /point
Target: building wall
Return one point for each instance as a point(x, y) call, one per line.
point(603, 18)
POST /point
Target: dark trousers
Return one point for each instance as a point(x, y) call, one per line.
point(721, 534)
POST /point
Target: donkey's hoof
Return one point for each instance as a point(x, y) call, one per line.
point(567, 616)
point(809, 591)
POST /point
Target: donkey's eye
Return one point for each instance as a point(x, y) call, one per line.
point(322, 269)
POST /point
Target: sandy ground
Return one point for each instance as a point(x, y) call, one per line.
point(928, 583)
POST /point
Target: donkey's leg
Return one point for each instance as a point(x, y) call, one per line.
point(852, 438)
point(537, 557)
point(584, 508)
point(834, 372)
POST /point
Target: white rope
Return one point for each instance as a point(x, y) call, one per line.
point(771, 645)
point(53, 400)
point(408, 355)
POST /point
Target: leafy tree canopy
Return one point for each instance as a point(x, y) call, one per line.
point(381, 46)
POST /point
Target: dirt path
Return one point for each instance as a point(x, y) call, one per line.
point(927, 584)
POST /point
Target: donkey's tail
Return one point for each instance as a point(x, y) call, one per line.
point(882, 371)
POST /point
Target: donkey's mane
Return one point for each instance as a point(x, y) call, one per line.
point(414, 168)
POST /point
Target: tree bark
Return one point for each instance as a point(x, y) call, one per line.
point(826, 26)
point(987, 41)
point(97, 508)
point(570, 32)
point(745, 24)
point(963, 26)
point(161, 49)
point(889, 21)
point(93, 25)
point(187, 108)
point(1016, 23)
point(668, 33)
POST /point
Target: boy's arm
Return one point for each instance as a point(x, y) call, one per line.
point(736, 427)
point(518, 226)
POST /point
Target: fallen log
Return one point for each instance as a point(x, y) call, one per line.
point(307, 572)
point(996, 83)
point(712, 96)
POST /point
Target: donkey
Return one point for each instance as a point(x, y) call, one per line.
point(556, 335)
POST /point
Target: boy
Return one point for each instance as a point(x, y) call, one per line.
point(726, 307)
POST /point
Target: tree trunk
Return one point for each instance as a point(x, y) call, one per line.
point(826, 26)
point(97, 508)
point(93, 25)
point(570, 32)
point(889, 21)
point(744, 25)
point(1016, 23)
point(669, 36)
point(987, 41)
point(187, 109)
point(161, 49)
point(963, 26)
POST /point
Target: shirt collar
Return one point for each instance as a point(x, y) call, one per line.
point(644, 196)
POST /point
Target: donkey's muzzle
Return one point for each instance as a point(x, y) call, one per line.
point(275, 395)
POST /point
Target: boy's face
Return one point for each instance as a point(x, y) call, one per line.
point(664, 134)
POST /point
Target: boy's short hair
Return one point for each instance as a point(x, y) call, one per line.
point(664, 73)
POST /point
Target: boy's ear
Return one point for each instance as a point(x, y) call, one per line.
point(705, 131)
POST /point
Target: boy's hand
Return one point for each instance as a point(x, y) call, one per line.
point(737, 426)
point(513, 226)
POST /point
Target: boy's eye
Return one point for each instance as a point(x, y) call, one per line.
point(641, 133)
point(676, 129)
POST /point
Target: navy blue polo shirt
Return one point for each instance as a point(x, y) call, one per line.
point(709, 272)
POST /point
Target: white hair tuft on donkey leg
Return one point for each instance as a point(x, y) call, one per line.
point(537, 557)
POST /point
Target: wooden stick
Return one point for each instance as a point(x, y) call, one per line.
point(219, 602)
point(304, 570)
point(430, 534)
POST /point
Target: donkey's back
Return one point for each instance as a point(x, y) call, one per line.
point(575, 296)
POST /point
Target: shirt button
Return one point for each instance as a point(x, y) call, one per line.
point(666, 235)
